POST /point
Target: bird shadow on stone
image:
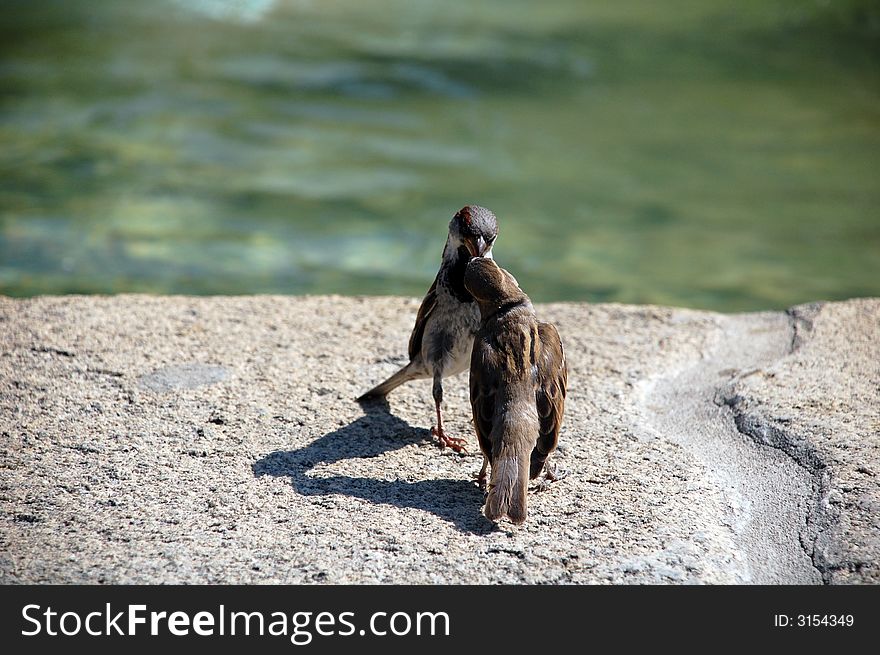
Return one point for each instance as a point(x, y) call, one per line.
point(372, 435)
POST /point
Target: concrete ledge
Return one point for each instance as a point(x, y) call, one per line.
point(215, 440)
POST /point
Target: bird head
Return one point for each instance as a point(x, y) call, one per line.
point(475, 228)
point(490, 284)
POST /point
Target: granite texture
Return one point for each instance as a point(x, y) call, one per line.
point(216, 440)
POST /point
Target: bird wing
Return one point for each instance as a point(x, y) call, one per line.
point(425, 309)
point(550, 395)
point(484, 386)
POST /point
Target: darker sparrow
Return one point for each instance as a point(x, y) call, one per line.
point(441, 341)
point(518, 384)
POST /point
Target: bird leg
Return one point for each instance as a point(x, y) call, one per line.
point(552, 473)
point(481, 476)
point(457, 444)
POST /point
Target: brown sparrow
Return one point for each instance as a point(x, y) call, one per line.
point(518, 385)
point(448, 318)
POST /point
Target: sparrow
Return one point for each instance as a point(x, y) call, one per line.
point(518, 383)
point(441, 341)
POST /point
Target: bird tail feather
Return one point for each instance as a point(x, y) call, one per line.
point(508, 485)
point(381, 390)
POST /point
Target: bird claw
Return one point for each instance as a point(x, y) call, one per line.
point(455, 443)
point(541, 485)
point(481, 477)
point(551, 475)
point(554, 473)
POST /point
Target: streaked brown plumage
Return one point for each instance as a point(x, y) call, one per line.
point(440, 344)
point(518, 385)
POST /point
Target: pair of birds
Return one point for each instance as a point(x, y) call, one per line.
point(476, 316)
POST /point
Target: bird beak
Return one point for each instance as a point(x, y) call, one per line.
point(477, 247)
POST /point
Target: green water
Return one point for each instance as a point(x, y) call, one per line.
point(711, 154)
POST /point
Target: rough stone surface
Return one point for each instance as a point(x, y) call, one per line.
point(215, 440)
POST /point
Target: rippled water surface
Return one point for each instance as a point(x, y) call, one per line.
point(702, 153)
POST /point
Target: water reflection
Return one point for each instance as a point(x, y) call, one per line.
point(245, 11)
point(699, 155)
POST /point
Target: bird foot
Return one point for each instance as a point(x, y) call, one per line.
point(554, 473)
point(551, 474)
point(455, 443)
point(480, 477)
